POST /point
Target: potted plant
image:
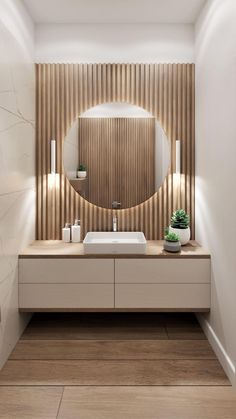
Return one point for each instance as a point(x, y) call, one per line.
point(82, 171)
point(172, 243)
point(180, 226)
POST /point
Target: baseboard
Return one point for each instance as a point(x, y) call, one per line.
point(218, 348)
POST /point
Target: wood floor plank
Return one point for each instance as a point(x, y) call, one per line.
point(119, 350)
point(162, 372)
point(97, 333)
point(29, 402)
point(148, 403)
point(185, 332)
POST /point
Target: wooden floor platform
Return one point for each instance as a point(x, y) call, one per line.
point(116, 365)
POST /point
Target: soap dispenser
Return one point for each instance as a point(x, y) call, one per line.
point(76, 232)
point(66, 233)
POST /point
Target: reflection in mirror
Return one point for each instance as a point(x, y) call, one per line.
point(116, 155)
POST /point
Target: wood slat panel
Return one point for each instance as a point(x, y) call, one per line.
point(119, 154)
point(64, 91)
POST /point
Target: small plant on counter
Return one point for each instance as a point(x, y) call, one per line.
point(82, 171)
point(82, 168)
point(172, 237)
point(180, 219)
point(171, 243)
point(180, 225)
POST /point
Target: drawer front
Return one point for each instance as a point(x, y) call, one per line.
point(163, 296)
point(162, 271)
point(67, 271)
point(63, 296)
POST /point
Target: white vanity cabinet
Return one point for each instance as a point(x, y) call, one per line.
point(60, 277)
point(66, 283)
point(162, 283)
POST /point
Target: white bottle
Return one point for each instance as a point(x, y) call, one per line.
point(66, 233)
point(76, 232)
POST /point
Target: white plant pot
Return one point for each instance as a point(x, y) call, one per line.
point(82, 173)
point(183, 233)
point(172, 247)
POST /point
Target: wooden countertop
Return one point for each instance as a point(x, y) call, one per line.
point(57, 249)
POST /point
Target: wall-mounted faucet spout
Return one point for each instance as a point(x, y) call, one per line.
point(116, 205)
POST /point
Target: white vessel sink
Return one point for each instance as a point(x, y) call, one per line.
point(115, 242)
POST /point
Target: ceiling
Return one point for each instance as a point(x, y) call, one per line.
point(114, 11)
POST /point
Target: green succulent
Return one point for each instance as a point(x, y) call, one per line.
point(82, 168)
point(180, 219)
point(171, 237)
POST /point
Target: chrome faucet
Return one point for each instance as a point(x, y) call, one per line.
point(114, 223)
point(116, 205)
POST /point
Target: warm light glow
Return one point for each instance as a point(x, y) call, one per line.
point(177, 157)
point(177, 189)
point(53, 180)
point(176, 179)
point(116, 110)
point(53, 157)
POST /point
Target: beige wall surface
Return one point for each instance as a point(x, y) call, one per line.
point(216, 167)
point(17, 157)
point(114, 43)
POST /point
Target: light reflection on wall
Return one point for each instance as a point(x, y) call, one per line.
point(53, 181)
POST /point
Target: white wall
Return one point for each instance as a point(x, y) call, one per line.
point(17, 156)
point(216, 167)
point(114, 43)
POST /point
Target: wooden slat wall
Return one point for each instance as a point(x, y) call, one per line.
point(120, 156)
point(64, 91)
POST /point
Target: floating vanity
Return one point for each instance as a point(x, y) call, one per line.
point(54, 276)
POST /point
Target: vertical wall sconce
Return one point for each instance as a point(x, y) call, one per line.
point(53, 157)
point(53, 176)
point(177, 174)
point(177, 157)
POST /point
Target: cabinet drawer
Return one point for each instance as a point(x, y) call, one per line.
point(67, 271)
point(163, 296)
point(63, 296)
point(162, 271)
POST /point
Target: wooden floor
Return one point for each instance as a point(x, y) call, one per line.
point(110, 366)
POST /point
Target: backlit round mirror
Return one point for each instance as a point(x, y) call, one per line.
point(116, 155)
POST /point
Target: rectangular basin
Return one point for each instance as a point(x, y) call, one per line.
point(123, 242)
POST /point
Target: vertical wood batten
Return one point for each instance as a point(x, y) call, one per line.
point(188, 148)
point(38, 158)
point(192, 139)
point(64, 91)
point(48, 151)
point(44, 154)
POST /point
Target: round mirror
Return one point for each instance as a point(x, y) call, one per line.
point(116, 155)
